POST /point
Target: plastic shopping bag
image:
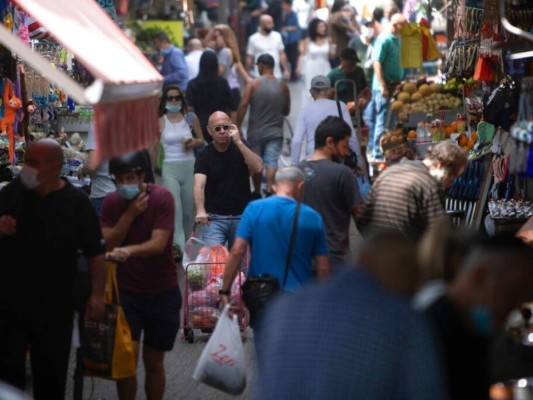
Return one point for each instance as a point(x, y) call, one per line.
point(364, 186)
point(222, 362)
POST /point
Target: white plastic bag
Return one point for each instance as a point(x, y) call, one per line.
point(222, 363)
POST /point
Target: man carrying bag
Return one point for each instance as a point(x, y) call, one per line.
point(281, 258)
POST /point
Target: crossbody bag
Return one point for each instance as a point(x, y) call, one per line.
point(258, 291)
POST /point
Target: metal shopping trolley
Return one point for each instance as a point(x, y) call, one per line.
point(204, 269)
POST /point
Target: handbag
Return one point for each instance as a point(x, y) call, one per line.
point(258, 291)
point(107, 346)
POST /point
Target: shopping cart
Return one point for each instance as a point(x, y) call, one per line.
point(204, 270)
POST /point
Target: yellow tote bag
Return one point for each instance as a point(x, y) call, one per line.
point(107, 347)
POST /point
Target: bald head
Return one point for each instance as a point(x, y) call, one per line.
point(217, 117)
point(194, 44)
point(47, 149)
point(266, 24)
point(397, 21)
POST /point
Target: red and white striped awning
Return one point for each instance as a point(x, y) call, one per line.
point(127, 85)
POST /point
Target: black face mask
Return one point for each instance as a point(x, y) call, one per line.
point(267, 30)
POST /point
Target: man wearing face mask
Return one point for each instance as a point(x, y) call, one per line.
point(408, 197)
point(494, 279)
point(266, 40)
point(172, 63)
point(330, 187)
point(43, 222)
point(137, 224)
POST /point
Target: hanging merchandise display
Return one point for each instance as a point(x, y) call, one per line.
point(522, 133)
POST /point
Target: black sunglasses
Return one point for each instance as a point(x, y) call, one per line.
point(173, 98)
point(218, 128)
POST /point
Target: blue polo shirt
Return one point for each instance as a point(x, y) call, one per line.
point(267, 225)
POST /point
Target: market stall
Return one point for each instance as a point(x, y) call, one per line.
point(92, 62)
point(482, 101)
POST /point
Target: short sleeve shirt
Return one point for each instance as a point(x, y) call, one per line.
point(225, 58)
point(145, 274)
point(39, 262)
point(227, 189)
point(272, 44)
point(101, 183)
point(332, 190)
point(386, 50)
point(267, 226)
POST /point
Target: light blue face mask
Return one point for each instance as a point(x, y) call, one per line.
point(482, 318)
point(173, 108)
point(128, 192)
point(166, 51)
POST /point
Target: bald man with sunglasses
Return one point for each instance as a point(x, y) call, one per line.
point(222, 180)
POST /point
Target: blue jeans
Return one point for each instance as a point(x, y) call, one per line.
point(97, 205)
point(221, 229)
point(375, 118)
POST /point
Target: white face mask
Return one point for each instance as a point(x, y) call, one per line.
point(28, 177)
point(438, 174)
point(367, 32)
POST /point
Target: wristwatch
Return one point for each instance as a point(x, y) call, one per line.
point(223, 292)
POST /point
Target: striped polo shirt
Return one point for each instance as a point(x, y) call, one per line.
point(405, 198)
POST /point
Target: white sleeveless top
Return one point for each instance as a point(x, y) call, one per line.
point(172, 139)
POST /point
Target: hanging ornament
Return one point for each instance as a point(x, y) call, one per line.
point(8, 21)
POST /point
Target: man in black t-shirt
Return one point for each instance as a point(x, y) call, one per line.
point(43, 221)
point(222, 180)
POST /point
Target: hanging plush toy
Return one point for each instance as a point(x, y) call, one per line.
point(11, 104)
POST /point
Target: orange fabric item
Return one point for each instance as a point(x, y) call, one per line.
point(219, 257)
point(11, 105)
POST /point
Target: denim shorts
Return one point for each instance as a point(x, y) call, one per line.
point(157, 315)
point(269, 150)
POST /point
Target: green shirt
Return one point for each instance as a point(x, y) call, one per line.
point(345, 89)
point(387, 52)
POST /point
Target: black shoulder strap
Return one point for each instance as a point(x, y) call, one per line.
point(291, 243)
point(339, 109)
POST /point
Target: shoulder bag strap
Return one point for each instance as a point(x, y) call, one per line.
point(339, 109)
point(291, 243)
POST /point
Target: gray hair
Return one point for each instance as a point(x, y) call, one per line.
point(289, 174)
point(449, 155)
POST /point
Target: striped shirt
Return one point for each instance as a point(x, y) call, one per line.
point(405, 198)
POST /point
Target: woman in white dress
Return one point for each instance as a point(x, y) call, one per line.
point(314, 55)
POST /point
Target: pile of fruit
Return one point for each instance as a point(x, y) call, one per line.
point(423, 97)
point(451, 131)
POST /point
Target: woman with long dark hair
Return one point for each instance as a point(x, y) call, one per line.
point(180, 134)
point(208, 92)
point(314, 55)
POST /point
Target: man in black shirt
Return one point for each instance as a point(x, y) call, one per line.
point(43, 221)
point(222, 180)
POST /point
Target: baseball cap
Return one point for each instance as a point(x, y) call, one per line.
point(320, 82)
point(266, 59)
point(349, 54)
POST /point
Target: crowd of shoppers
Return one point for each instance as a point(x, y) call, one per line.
point(357, 306)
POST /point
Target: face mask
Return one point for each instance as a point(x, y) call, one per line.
point(28, 177)
point(128, 192)
point(369, 32)
point(173, 108)
point(438, 174)
point(165, 51)
point(482, 319)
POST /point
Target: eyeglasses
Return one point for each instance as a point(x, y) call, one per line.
point(173, 98)
point(218, 128)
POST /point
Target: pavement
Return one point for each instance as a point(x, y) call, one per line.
point(181, 361)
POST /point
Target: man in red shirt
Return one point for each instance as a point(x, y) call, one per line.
point(137, 224)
